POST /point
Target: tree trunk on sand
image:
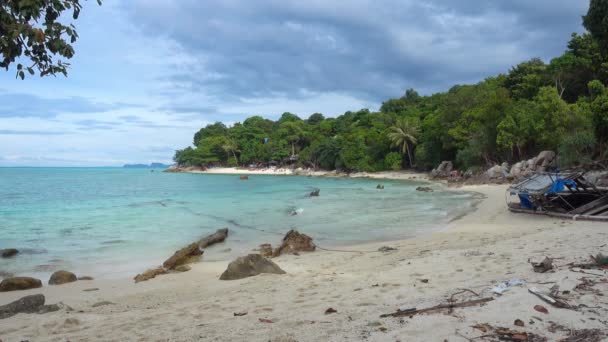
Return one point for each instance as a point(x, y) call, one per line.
point(214, 238)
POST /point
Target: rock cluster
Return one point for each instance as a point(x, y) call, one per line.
point(443, 170)
point(28, 304)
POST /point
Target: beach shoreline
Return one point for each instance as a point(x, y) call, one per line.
point(475, 252)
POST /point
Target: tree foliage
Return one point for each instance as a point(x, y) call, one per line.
point(32, 31)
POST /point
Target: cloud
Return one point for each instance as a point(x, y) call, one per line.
point(17, 132)
point(362, 48)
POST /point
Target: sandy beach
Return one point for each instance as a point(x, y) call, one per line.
point(475, 252)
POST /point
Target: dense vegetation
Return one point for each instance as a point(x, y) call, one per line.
point(560, 106)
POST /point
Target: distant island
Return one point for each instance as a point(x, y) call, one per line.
point(146, 166)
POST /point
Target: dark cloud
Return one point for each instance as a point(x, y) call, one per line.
point(363, 48)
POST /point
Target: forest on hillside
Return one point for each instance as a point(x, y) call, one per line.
point(560, 106)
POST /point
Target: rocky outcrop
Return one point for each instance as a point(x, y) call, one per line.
point(443, 170)
point(219, 236)
point(186, 255)
point(294, 242)
point(545, 159)
point(183, 268)
point(249, 266)
point(424, 189)
point(19, 283)
point(28, 304)
point(62, 277)
point(8, 253)
point(149, 274)
point(266, 250)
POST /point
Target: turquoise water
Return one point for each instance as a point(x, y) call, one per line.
point(112, 222)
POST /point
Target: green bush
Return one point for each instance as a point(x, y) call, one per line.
point(393, 161)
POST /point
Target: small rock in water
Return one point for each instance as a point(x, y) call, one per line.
point(62, 277)
point(244, 177)
point(380, 187)
point(424, 189)
point(315, 193)
point(19, 283)
point(8, 253)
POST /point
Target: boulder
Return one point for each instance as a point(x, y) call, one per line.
point(494, 172)
point(19, 283)
point(294, 242)
point(424, 189)
point(62, 277)
point(28, 304)
point(545, 159)
point(149, 274)
point(183, 268)
point(266, 250)
point(8, 253)
point(505, 169)
point(249, 266)
point(443, 170)
point(183, 256)
point(315, 193)
point(517, 170)
point(380, 187)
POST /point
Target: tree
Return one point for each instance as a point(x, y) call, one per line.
point(596, 21)
point(31, 29)
point(231, 147)
point(404, 134)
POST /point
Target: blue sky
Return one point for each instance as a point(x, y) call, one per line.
point(148, 73)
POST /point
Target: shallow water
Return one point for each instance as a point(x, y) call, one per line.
point(112, 222)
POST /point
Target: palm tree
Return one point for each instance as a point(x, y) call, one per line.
point(403, 134)
point(232, 147)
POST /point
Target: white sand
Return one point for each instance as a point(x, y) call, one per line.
point(402, 175)
point(475, 252)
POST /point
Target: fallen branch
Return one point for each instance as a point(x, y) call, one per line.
point(214, 238)
point(558, 303)
point(450, 306)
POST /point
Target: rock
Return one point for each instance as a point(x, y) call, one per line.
point(505, 169)
point(424, 189)
point(8, 253)
point(315, 193)
point(266, 250)
point(4, 274)
point(517, 169)
point(86, 278)
point(219, 236)
point(249, 266)
point(103, 303)
point(244, 177)
point(149, 274)
point(386, 249)
point(443, 170)
point(545, 159)
point(183, 268)
point(294, 242)
point(19, 283)
point(494, 172)
point(28, 304)
point(380, 187)
point(62, 277)
point(185, 255)
point(91, 289)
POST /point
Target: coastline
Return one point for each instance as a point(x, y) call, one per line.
point(486, 246)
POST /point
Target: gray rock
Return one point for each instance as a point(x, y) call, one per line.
point(8, 253)
point(315, 193)
point(443, 170)
point(28, 304)
point(249, 266)
point(545, 159)
point(424, 189)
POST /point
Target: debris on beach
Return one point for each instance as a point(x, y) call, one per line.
point(295, 242)
point(438, 308)
point(240, 314)
point(8, 253)
point(19, 283)
point(543, 266)
point(506, 334)
point(315, 193)
point(541, 309)
point(386, 249)
point(249, 266)
point(504, 286)
point(330, 311)
point(265, 320)
point(553, 300)
point(62, 277)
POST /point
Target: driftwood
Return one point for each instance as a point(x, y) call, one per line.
point(451, 306)
point(214, 238)
point(558, 303)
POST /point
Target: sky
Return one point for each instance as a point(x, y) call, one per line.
point(147, 74)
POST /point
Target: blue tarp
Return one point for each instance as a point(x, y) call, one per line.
point(559, 185)
point(525, 202)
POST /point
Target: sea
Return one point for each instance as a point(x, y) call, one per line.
point(117, 222)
